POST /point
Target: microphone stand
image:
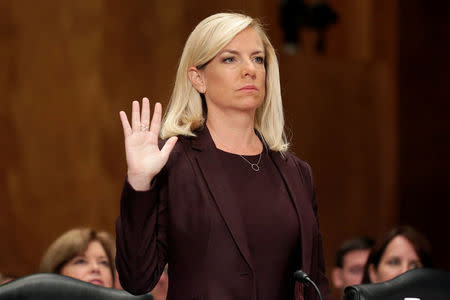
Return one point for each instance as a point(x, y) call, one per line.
point(302, 277)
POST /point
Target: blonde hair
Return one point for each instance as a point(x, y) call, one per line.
point(73, 243)
point(186, 111)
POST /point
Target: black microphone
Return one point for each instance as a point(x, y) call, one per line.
point(302, 277)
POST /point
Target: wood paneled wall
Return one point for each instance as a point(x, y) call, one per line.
point(68, 67)
point(342, 111)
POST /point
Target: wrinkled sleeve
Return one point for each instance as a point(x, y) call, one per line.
point(141, 236)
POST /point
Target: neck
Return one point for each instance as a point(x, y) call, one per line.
point(234, 134)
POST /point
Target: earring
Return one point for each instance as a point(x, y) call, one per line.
point(203, 90)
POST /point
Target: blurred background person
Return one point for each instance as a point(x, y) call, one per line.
point(84, 254)
point(5, 278)
point(159, 292)
point(401, 250)
point(351, 258)
point(117, 284)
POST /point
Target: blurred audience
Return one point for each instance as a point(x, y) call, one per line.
point(401, 250)
point(351, 258)
point(117, 284)
point(5, 278)
point(84, 254)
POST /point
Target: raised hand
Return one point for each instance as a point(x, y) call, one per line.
point(144, 158)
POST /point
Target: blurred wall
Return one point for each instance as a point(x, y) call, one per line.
point(342, 109)
point(68, 67)
point(424, 131)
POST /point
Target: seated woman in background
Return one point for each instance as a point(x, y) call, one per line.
point(401, 250)
point(84, 254)
point(5, 278)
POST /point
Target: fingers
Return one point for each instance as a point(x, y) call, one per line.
point(135, 117)
point(168, 146)
point(125, 124)
point(140, 120)
point(156, 120)
point(145, 115)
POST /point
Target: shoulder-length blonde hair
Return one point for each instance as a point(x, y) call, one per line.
point(73, 243)
point(186, 110)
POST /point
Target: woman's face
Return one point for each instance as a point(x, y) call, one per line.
point(93, 266)
point(398, 258)
point(235, 78)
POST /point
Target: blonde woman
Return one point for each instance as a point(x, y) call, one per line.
point(84, 254)
point(222, 200)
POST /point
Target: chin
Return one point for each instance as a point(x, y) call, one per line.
point(251, 104)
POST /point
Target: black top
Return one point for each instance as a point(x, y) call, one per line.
point(270, 220)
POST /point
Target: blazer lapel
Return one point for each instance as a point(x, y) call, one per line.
point(222, 192)
point(300, 197)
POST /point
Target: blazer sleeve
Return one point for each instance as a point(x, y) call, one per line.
point(318, 274)
point(141, 236)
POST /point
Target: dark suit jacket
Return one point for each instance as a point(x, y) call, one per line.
point(186, 219)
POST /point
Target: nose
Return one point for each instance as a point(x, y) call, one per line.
point(95, 267)
point(248, 68)
point(404, 268)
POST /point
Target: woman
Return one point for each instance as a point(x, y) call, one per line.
point(5, 278)
point(401, 250)
point(223, 201)
point(159, 292)
point(84, 254)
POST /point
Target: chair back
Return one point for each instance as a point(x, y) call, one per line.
point(47, 286)
point(416, 284)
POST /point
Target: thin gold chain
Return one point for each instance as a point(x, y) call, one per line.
point(255, 167)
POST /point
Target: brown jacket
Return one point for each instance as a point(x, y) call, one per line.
point(186, 219)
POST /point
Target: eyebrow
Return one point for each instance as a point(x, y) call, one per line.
point(237, 52)
point(84, 255)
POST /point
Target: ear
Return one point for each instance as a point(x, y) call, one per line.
point(196, 78)
point(373, 274)
point(336, 277)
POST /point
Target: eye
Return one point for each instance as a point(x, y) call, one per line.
point(105, 263)
point(79, 261)
point(356, 270)
point(259, 59)
point(395, 261)
point(228, 60)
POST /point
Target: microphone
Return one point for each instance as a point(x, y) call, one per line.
point(302, 277)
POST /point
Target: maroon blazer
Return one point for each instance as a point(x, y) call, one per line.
point(187, 220)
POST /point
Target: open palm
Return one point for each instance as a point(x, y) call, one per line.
point(144, 158)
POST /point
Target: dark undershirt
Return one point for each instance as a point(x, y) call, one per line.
point(271, 223)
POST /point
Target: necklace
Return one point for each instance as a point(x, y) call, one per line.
point(254, 166)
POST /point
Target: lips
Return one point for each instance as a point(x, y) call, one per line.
point(97, 282)
point(248, 88)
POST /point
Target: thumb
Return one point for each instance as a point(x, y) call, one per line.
point(168, 147)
